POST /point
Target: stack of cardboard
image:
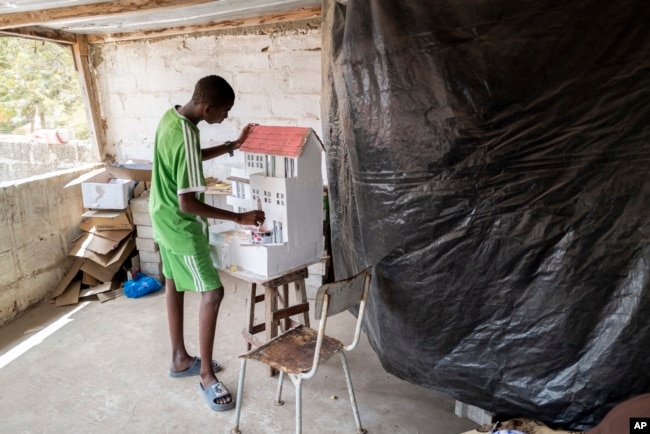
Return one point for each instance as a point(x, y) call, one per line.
point(107, 240)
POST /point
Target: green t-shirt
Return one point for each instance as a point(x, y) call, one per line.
point(177, 169)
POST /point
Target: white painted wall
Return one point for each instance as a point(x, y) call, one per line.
point(276, 78)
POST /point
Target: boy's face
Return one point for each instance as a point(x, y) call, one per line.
point(215, 114)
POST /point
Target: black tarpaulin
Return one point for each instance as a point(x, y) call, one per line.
point(491, 161)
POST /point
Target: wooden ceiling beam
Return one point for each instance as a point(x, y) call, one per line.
point(295, 15)
point(42, 34)
point(96, 10)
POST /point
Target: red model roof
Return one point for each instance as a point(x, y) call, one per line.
point(270, 140)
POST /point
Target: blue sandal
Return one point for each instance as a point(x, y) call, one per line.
point(214, 392)
point(194, 369)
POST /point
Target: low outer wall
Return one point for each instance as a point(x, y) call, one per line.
point(21, 157)
point(38, 221)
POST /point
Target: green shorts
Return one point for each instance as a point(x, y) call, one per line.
point(190, 272)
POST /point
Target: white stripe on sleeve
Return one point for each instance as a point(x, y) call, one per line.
point(193, 157)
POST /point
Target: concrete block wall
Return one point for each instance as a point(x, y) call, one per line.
point(39, 220)
point(23, 158)
point(275, 72)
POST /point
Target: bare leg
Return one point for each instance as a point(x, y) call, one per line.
point(208, 313)
point(181, 360)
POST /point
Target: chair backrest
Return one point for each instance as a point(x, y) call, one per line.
point(343, 294)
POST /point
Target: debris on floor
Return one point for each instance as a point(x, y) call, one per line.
point(519, 425)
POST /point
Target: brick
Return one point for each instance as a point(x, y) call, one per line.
point(151, 269)
point(149, 256)
point(141, 218)
point(144, 231)
point(296, 106)
point(146, 245)
point(140, 204)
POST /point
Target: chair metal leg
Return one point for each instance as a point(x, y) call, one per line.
point(353, 401)
point(240, 393)
point(298, 405)
point(278, 396)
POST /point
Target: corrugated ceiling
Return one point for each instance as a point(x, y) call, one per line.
point(94, 17)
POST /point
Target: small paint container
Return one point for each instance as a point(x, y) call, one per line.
point(262, 237)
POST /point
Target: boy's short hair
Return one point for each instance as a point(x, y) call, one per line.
point(213, 90)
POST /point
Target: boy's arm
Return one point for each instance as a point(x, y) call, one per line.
point(215, 151)
point(191, 205)
point(228, 147)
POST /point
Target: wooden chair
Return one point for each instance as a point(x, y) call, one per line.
point(300, 350)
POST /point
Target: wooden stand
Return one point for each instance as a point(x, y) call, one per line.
point(277, 307)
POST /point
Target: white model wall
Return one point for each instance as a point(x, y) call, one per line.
point(276, 77)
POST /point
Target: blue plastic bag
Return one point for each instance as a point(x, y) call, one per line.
point(140, 285)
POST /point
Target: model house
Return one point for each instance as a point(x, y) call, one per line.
point(282, 176)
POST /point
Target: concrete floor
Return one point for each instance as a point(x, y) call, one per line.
point(102, 368)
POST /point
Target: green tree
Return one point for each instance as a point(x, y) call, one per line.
point(39, 85)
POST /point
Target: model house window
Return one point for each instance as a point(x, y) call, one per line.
point(239, 190)
point(289, 167)
point(270, 165)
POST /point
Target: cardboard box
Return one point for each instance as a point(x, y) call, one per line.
point(114, 235)
point(112, 186)
point(103, 268)
point(136, 172)
point(117, 255)
point(101, 273)
point(96, 289)
point(92, 221)
point(70, 295)
point(96, 243)
point(69, 277)
point(103, 192)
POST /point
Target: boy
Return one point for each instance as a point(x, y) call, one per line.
point(179, 218)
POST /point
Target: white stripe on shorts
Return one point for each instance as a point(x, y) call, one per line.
point(190, 261)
